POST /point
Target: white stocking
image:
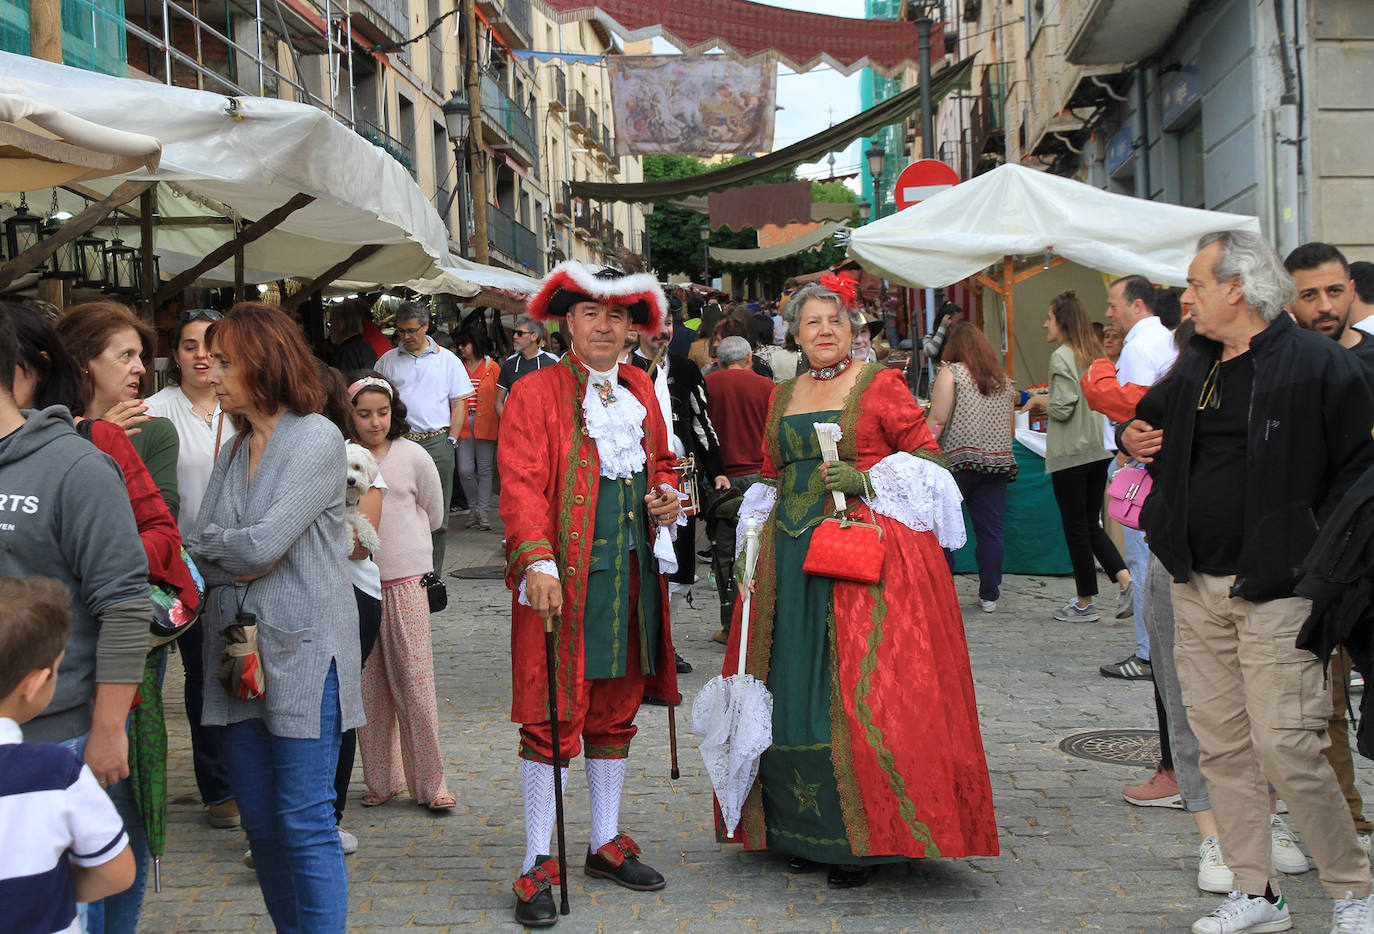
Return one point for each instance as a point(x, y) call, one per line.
point(536, 782)
point(605, 780)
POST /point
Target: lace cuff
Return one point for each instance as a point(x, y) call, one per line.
point(921, 495)
point(543, 567)
point(757, 504)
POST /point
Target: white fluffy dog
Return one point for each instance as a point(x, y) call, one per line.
point(362, 471)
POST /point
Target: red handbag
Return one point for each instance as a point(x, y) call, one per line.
point(846, 549)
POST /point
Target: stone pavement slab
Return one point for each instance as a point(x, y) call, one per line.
point(1074, 856)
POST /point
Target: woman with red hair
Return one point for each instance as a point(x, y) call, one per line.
point(271, 541)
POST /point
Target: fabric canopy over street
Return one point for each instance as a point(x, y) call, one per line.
point(808, 241)
point(466, 279)
point(1016, 211)
point(743, 29)
point(835, 138)
point(241, 159)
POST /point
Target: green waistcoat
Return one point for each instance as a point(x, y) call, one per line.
point(620, 535)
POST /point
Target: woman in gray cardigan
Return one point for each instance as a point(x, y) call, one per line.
point(270, 541)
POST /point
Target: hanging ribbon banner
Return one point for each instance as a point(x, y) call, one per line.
point(677, 104)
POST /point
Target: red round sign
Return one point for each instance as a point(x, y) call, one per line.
point(923, 179)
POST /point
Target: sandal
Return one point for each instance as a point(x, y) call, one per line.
point(444, 802)
point(372, 799)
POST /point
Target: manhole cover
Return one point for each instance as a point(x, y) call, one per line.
point(1118, 747)
point(487, 572)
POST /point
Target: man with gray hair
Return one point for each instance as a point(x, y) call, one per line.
point(1251, 454)
point(528, 338)
point(433, 383)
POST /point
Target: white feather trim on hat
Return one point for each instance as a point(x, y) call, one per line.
point(622, 292)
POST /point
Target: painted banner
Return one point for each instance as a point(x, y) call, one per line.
point(676, 104)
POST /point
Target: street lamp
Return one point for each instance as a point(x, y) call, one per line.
point(458, 121)
point(647, 209)
point(865, 211)
point(925, 11)
point(706, 250)
point(876, 155)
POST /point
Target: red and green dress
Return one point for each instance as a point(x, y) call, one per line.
point(877, 755)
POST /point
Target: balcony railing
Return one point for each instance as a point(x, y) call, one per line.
point(503, 114)
point(394, 147)
point(593, 126)
point(513, 238)
point(562, 201)
point(606, 141)
point(558, 88)
point(518, 12)
point(577, 109)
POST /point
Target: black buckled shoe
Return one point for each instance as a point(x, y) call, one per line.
point(619, 862)
point(534, 905)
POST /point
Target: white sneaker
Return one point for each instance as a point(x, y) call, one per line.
point(1212, 874)
point(988, 605)
point(348, 842)
point(1245, 914)
point(1283, 848)
point(1352, 915)
point(1363, 840)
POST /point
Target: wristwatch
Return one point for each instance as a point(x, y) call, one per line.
point(452, 441)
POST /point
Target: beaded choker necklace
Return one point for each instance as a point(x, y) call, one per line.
point(830, 372)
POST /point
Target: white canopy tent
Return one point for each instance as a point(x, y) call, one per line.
point(1014, 211)
point(244, 158)
point(466, 279)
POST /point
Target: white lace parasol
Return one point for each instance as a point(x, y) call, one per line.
point(734, 715)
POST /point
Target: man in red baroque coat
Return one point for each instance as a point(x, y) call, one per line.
point(587, 499)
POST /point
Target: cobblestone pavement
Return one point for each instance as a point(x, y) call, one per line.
point(1074, 855)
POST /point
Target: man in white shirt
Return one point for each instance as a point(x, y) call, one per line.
point(432, 382)
point(1362, 308)
point(1147, 354)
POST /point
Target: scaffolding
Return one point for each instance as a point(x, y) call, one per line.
point(180, 34)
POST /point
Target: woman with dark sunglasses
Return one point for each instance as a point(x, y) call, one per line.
point(189, 402)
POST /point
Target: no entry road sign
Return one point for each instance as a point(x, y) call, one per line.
point(923, 179)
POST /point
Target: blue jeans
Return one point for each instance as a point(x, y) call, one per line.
point(285, 792)
point(1137, 555)
point(985, 495)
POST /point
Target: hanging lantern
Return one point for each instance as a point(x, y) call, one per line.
point(22, 231)
point(121, 265)
point(65, 263)
point(92, 250)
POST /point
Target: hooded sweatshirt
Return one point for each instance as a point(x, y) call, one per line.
point(65, 514)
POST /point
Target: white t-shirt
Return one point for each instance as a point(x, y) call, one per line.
point(363, 571)
point(1366, 325)
point(196, 446)
point(426, 383)
point(1147, 353)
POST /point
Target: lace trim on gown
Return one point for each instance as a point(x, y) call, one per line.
point(920, 494)
point(757, 504)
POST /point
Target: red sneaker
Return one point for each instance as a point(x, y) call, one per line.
point(1161, 791)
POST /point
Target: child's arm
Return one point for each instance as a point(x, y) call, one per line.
point(93, 883)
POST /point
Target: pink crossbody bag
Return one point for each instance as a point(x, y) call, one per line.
point(1126, 494)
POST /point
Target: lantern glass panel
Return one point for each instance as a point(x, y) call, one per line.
point(122, 268)
point(21, 232)
point(92, 263)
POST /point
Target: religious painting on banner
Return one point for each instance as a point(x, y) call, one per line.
point(687, 105)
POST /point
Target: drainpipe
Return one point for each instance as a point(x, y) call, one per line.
point(1284, 145)
point(1142, 140)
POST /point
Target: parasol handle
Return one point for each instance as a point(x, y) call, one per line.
point(751, 556)
point(830, 451)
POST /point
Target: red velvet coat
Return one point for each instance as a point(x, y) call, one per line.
point(550, 474)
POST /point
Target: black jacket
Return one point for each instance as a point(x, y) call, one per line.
point(1309, 438)
point(691, 422)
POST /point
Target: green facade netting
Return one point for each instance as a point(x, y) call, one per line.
point(873, 88)
point(93, 34)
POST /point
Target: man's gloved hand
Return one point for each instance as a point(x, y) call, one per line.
point(841, 476)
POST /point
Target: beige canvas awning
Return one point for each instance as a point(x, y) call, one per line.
point(769, 253)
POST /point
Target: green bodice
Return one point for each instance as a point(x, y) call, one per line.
point(802, 498)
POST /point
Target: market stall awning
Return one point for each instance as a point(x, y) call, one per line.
point(744, 30)
point(466, 279)
point(232, 161)
point(808, 241)
point(41, 146)
point(1016, 211)
point(835, 138)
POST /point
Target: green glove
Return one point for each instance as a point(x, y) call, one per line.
point(848, 480)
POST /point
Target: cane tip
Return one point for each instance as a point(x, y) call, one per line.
point(675, 774)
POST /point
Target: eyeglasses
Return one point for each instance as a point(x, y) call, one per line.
point(410, 332)
point(199, 314)
point(1210, 397)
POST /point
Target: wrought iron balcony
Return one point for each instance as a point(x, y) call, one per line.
point(514, 239)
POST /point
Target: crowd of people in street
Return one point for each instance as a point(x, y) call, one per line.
point(279, 522)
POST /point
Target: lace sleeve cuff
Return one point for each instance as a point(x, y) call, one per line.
point(757, 504)
point(543, 567)
point(920, 494)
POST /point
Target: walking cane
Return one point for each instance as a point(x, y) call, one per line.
point(550, 662)
point(673, 773)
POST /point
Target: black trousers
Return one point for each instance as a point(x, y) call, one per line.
point(1079, 492)
point(369, 625)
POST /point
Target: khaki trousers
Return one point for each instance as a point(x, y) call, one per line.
point(1338, 753)
point(1260, 709)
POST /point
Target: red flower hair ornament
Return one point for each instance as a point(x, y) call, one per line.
point(844, 286)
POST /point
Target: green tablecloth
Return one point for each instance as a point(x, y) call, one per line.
point(1031, 530)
